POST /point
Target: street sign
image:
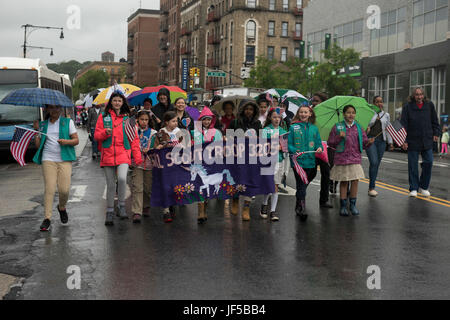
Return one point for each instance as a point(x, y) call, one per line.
point(219, 74)
point(184, 76)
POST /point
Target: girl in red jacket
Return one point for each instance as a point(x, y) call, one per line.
point(116, 151)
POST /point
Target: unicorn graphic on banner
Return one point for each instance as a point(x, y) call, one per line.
point(209, 180)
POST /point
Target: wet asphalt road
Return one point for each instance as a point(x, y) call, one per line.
point(325, 258)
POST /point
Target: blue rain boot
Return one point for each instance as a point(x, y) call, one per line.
point(343, 212)
point(353, 209)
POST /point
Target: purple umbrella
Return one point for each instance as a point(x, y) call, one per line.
point(193, 112)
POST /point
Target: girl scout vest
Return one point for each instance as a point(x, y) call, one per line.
point(341, 127)
point(107, 123)
point(67, 152)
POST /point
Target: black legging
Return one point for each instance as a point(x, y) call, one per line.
point(324, 179)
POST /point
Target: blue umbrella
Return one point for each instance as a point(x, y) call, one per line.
point(37, 97)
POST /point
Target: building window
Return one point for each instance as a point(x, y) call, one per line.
point(251, 29)
point(285, 5)
point(350, 35)
point(298, 29)
point(297, 52)
point(250, 54)
point(272, 5)
point(388, 88)
point(283, 54)
point(433, 82)
point(231, 31)
point(271, 28)
point(270, 53)
point(315, 43)
point(430, 21)
point(284, 29)
point(391, 36)
point(299, 4)
point(251, 3)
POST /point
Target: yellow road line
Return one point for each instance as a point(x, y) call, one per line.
point(406, 192)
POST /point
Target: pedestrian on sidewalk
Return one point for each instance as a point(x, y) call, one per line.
point(325, 167)
point(205, 132)
point(141, 177)
point(116, 152)
point(93, 115)
point(377, 130)
point(303, 137)
point(444, 141)
point(349, 139)
point(272, 130)
point(247, 120)
point(169, 136)
point(420, 121)
point(56, 152)
point(84, 117)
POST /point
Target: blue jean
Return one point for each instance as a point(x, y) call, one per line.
point(300, 185)
point(94, 142)
point(375, 154)
point(413, 169)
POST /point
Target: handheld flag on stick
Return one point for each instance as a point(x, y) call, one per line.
point(299, 169)
point(20, 142)
point(130, 129)
point(397, 132)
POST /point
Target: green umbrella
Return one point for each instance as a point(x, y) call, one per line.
point(330, 112)
point(375, 108)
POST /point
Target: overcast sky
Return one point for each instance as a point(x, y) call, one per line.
point(103, 27)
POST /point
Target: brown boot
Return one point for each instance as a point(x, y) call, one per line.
point(201, 213)
point(235, 206)
point(246, 211)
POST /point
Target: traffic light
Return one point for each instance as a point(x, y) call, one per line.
point(191, 72)
point(191, 84)
point(196, 72)
point(302, 49)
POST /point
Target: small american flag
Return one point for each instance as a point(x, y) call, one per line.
point(397, 132)
point(130, 129)
point(19, 144)
point(284, 142)
point(299, 169)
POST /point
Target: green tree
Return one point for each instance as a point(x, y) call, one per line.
point(70, 67)
point(266, 74)
point(307, 76)
point(93, 79)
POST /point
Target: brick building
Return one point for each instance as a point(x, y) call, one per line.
point(169, 45)
point(143, 47)
point(116, 70)
point(228, 35)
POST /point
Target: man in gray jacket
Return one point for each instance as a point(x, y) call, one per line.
point(93, 114)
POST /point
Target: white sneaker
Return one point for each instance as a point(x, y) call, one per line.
point(425, 193)
point(413, 193)
point(373, 193)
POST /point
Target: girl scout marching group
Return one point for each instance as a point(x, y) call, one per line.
point(160, 127)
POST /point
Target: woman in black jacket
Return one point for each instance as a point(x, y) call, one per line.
point(419, 118)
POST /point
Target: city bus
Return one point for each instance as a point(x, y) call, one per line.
point(16, 73)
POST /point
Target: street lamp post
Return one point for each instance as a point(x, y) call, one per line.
point(33, 47)
point(33, 28)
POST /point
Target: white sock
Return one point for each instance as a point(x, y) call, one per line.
point(266, 199)
point(274, 202)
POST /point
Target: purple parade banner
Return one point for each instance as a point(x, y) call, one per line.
point(220, 170)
